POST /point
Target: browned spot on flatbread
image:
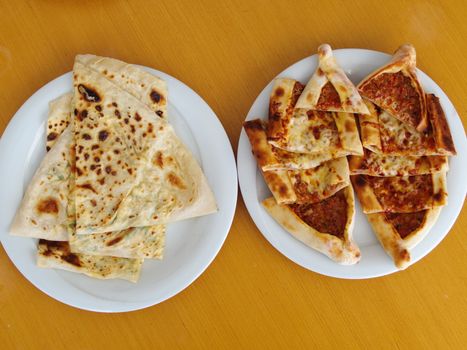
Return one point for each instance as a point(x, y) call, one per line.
point(72, 259)
point(82, 115)
point(47, 205)
point(88, 93)
point(137, 117)
point(52, 136)
point(114, 241)
point(159, 160)
point(87, 187)
point(103, 134)
point(62, 249)
point(156, 97)
point(176, 181)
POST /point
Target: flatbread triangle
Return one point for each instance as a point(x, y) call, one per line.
point(131, 168)
point(329, 88)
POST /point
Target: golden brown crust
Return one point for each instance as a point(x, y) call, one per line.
point(400, 232)
point(339, 248)
point(329, 88)
point(441, 131)
point(314, 185)
point(396, 88)
point(259, 143)
point(384, 134)
point(295, 185)
point(273, 158)
point(284, 96)
point(278, 181)
point(57, 255)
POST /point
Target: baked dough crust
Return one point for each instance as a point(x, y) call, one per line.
point(329, 71)
point(397, 247)
point(296, 185)
point(382, 133)
point(404, 61)
point(343, 251)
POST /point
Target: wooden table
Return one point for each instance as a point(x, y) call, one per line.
point(251, 296)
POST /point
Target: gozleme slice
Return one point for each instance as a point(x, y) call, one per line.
point(131, 168)
point(140, 242)
point(58, 118)
point(149, 89)
point(43, 210)
point(53, 254)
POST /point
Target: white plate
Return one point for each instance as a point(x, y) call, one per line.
point(357, 63)
point(191, 245)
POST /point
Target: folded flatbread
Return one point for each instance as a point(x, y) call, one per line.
point(325, 226)
point(315, 132)
point(396, 89)
point(43, 209)
point(147, 88)
point(131, 168)
point(53, 254)
point(58, 118)
point(296, 186)
point(398, 233)
point(329, 88)
point(140, 242)
point(384, 134)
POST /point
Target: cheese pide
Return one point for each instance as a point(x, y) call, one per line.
point(301, 151)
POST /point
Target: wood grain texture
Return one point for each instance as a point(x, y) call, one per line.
point(251, 296)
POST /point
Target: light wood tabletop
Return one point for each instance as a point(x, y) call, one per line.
point(251, 296)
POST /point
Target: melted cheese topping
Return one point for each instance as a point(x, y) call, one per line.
point(313, 185)
point(311, 132)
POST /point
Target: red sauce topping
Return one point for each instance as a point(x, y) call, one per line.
point(329, 98)
point(402, 194)
point(395, 91)
point(327, 216)
point(406, 223)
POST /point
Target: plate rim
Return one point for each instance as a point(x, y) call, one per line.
point(244, 148)
point(228, 211)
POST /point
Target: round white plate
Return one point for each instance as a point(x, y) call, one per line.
point(191, 245)
point(357, 63)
